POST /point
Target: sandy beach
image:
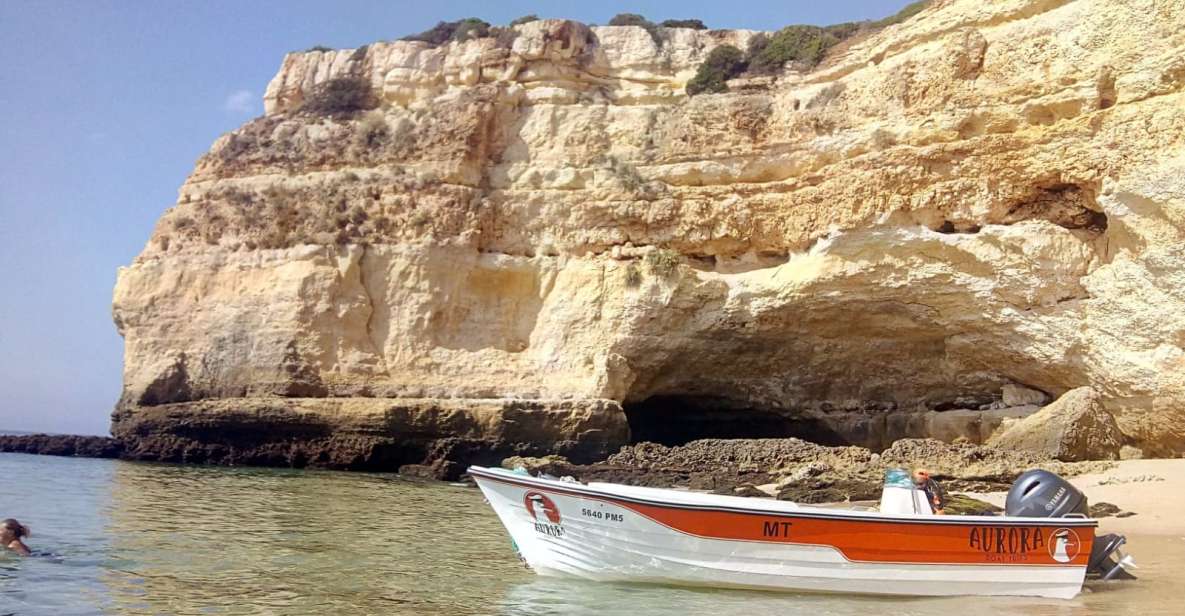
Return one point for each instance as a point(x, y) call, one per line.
point(1153, 489)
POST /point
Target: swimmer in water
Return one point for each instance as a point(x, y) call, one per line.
point(11, 533)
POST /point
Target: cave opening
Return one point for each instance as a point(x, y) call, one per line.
point(677, 420)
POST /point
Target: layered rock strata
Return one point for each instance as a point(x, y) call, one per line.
point(985, 197)
point(436, 437)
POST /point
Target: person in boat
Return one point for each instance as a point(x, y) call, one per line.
point(934, 492)
point(11, 535)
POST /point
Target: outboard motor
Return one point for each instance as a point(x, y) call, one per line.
point(1042, 494)
point(1107, 561)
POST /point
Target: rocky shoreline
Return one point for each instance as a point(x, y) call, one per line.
point(793, 469)
point(784, 468)
point(424, 437)
point(62, 445)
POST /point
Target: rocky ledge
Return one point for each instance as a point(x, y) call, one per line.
point(793, 469)
point(62, 445)
point(435, 438)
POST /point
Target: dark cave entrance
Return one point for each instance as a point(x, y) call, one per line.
point(677, 420)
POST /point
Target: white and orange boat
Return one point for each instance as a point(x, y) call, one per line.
point(610, 532)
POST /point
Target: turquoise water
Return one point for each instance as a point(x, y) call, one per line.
point(135, 538)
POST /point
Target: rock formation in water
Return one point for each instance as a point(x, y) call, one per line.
point(537, 242)
point(62, 445)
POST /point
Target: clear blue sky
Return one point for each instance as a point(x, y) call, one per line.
point(105, 106)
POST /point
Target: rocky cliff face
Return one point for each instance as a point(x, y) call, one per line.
point(534, 238)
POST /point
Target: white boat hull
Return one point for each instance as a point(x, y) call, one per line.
point(606, 532)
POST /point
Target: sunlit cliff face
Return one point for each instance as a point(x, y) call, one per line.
point(989, 195)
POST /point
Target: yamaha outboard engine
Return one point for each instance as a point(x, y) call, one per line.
point(1042, 494)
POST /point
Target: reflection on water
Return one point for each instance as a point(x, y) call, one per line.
point(300, 542)
point(132, 538)
point(574, 597)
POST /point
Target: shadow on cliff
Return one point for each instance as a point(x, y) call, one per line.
point(678, 420)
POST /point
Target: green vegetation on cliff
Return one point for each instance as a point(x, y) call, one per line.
point(449, 31)
point(910, 10)
point(722, 64)
point(525, 19)
point(802, 45)
point(633, 19)
point(694, 24)
point(663, 262)
point(805, 44)
point(341, 95)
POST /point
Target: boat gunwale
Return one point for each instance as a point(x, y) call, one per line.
point(581, 489)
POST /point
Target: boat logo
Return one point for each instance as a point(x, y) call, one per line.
point(539, 504)
point(1065, 545)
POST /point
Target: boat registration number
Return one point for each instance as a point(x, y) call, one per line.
point(607, 516)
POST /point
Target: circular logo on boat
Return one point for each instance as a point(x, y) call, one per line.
point(538, 505)
point(1064, 545)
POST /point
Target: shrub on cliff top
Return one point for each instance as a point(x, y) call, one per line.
point(767, 55)
point(448, 31)
point(318, 48)
point(910, 10)
point(633, 19)
point(525, 19)
point(470, 28)
point(694, 24)
point(845, 29)
point(722, 64)
point(806, 44)
point(803, 44)
point(629, 19)
point(341, 95)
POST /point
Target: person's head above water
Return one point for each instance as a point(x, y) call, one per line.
point(11, 530)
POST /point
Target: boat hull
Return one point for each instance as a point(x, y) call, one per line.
point(616, 533)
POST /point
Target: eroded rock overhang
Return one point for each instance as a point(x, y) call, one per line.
point(982, 197)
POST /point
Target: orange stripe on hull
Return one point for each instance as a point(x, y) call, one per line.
point(886, 541)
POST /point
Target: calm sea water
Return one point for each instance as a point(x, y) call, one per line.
point(134, 538)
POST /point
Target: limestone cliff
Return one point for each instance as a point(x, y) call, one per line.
point(530, 232)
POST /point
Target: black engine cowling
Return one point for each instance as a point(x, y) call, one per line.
point(1042, 494)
